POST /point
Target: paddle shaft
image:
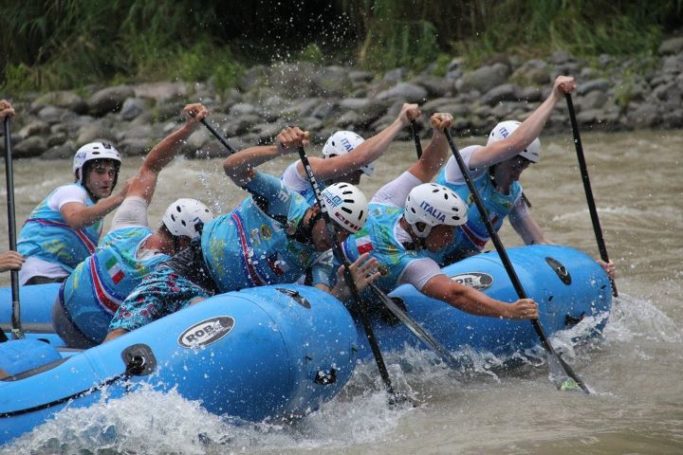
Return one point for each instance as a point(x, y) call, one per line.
point(506, 260)
point(348, 278)
point(587, 187)
point(218, 136)
point(416, 138)
point(11, 224)
point(415, 328)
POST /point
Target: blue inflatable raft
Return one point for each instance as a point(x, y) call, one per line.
point(567, 284)
point(273, 352)
point(288, 348)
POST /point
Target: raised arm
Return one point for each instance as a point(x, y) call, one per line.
point(436, 153)
point(529, 130)
point(144, 183)
point(366, 152)
point(240, 166)
point(475, 302)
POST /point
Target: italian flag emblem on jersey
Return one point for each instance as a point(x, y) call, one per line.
point(114, 270)
point(364, 244)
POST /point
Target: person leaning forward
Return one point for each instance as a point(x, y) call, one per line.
point(410, 221)
point(271, 237)
point(131, 249)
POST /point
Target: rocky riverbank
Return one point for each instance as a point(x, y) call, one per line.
point(614, 94)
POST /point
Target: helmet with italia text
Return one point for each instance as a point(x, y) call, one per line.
point(431, 204)
point(91, 152)
point(341, 143)
point(346, 205)
point(506, 128)
point(186, 217)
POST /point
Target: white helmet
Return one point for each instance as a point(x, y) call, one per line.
point(346, 205)
point(93, 151)
point(341, 143)
point(504, 129)
point(186, 217)
point(433, 205)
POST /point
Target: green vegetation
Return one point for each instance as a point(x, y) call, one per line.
point(54, 44)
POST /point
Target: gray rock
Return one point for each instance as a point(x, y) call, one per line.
point(561, 57)
point(54, 114)
point(644, 116)
point(293, 79)
point(141, 132)
point(592, 100)
point(58, 152)
point(346, 120)
point(331, 81)
point(210, 150)
point(302, 108)
point(354, 104)
point(161, 92)
point(434, 104)
point(435, 86)
point(455, 64)
point(325, 109)
point(64, 99)
point(531, 94)
point(254, 77)
point(483, 79)
point(597, 84)
point(396, 75)
point(671, 46)
point(29, 147)
point(404, 91)
point(505, 92)
point(199, 138)
point(266, 132)
point(56, 139)
point(673, 64)
point(134, 146)
point(132, 107)
point(34, 128)
point(109, 100)
point(532, 72)
point(243, 109)
point(360, 77)
point(94, 132)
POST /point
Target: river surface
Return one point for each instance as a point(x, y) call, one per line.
point(636, 371)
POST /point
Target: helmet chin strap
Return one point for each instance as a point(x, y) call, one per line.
point(417, 243)
point(304, 232)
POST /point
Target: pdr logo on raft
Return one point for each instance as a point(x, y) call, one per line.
point(206, 332)
point(476, 280)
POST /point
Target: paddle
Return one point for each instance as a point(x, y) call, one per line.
point(218, 136)
point(587, 188)
point(416, 138)
point(554, 359)
point(415, 328)
point(11, 225)
point(348, 278)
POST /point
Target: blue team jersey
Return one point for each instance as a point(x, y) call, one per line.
point(252, 246)
point(377, 238)
point(497, 204)
point(46, 236)
point(97, 287)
